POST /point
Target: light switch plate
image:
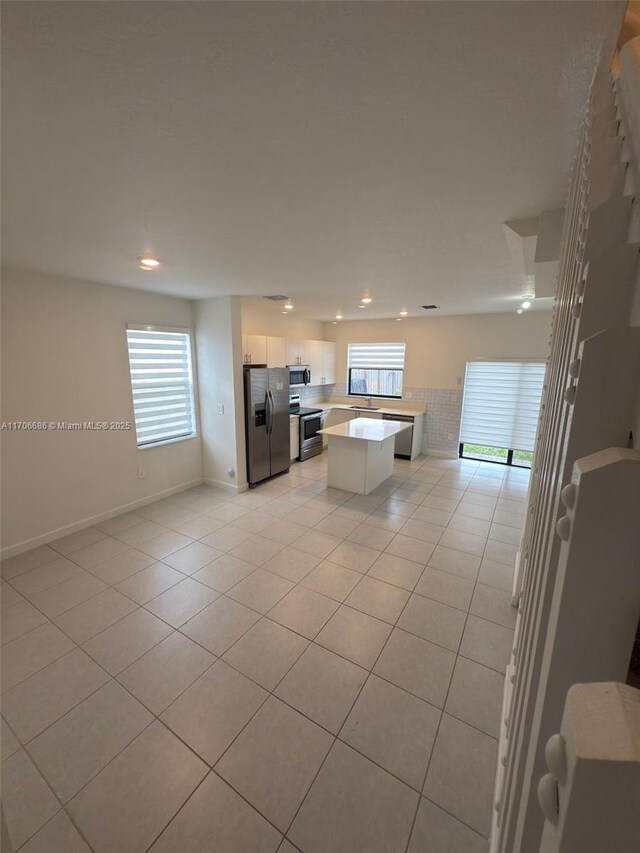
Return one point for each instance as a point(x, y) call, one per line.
point(220, 408)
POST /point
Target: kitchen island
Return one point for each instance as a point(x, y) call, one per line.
point(361, 453)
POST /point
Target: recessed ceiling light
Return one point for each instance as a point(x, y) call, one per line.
point(362, 306)
point(289, 306)
point(526, 304)
point(338, 316)
point(366, 300)
point(286, 313)
point(403, 313)
point(334, 323)
point(519, 311)
point(398, 319)
point(148, 262)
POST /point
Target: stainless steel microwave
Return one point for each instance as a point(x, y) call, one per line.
point(299, 374)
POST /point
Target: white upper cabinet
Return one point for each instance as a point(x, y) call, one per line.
point(322, 362)
point(298, 352)
point(276, 352)
point(254, 349)
point(280, 352)
point(316, 362)
point(328, 362)
point(305, 352)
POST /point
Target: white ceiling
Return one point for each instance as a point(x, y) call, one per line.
point(318, 150)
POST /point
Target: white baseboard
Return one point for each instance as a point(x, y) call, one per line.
point(52, 535)
point(222, 484)
point(442, 454)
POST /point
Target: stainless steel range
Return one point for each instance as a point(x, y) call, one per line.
point(310, 423)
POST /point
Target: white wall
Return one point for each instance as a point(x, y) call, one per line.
point(219, 348)
point(267, 319)
point(438, 347)
point(64, 358)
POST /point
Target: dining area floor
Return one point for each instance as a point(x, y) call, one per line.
point(292, 668)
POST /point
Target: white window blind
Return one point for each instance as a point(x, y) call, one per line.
point(501, 403)
point(162, 384)
point(379, 355)
point(375, 369)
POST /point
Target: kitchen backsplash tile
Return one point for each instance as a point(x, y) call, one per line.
point(443, 410)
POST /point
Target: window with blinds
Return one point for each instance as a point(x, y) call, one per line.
point(162, 384)
point(375, 369)
point(500, 406)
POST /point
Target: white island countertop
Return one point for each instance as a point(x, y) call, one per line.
point(366, 429)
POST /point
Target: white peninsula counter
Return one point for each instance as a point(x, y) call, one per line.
point(361, 453)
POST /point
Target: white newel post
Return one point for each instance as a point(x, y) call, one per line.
point(591, 795)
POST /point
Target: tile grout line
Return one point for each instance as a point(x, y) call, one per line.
point(424, 781)
point(337, 737)
point(261, 615)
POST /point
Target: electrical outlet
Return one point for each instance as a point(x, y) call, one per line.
point(220, 408)
point(141, 473)
point(408, 395)
point(450, 436)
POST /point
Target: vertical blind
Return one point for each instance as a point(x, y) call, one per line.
point(162, 384)
point(501, 403)
point(389, 356)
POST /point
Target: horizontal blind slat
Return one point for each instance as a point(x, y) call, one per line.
point(376, 355)
point(161, 382)
point(501, 403)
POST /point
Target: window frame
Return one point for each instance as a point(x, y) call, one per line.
point(509, 460)
point(400, 370)
point(182, 330)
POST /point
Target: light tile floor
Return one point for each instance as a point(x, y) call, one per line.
point(293, 668)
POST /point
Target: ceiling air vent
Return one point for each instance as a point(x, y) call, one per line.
point(430, 307)
point(277, 298)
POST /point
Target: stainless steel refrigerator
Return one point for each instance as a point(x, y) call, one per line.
point(266, 412)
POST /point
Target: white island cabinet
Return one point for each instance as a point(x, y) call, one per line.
point(361, 453)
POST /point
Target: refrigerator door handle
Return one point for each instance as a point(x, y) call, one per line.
point(269, 412)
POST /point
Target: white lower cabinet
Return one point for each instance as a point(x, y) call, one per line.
point(294, 436)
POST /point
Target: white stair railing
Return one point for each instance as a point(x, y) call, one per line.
point(591, 387)
point(591, 795)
